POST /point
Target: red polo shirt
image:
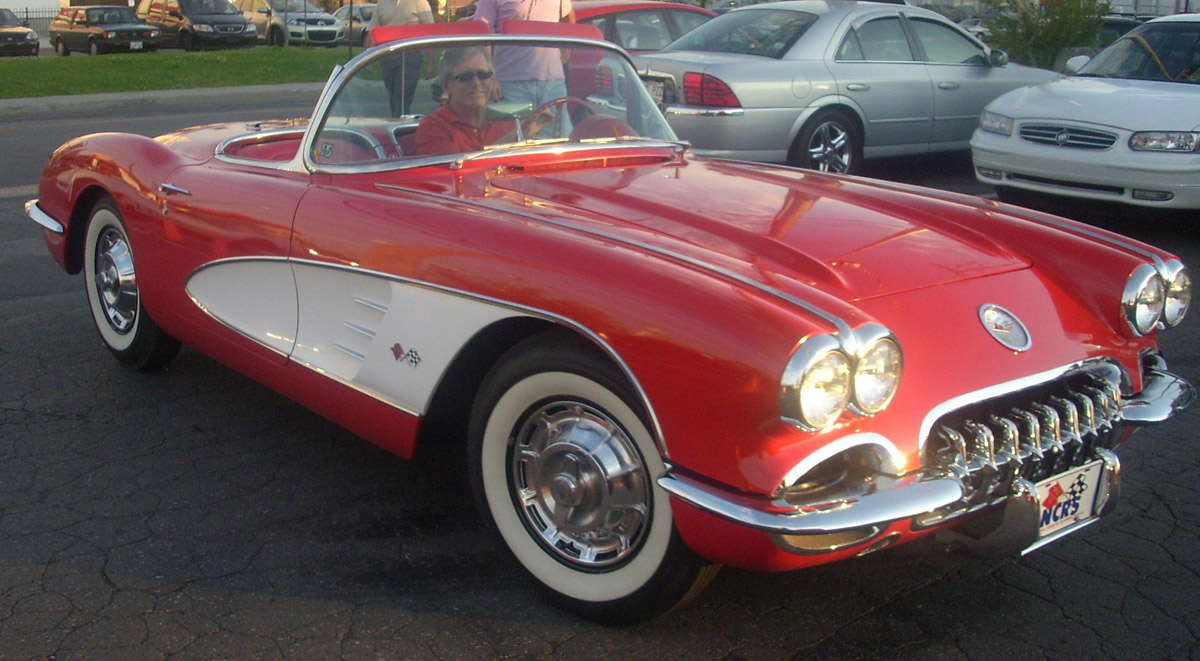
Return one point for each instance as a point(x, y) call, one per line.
point(444, 132)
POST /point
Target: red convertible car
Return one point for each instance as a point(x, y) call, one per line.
point(656, 364)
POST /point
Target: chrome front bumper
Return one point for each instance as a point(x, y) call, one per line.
point(932, 497)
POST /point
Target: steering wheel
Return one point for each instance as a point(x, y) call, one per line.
point(564, 101)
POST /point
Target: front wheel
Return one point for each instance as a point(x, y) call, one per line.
point(93, 48)
point(61, 48)
point(113, 296)
point(564, 465)
point(275, 37)
point(829, 142)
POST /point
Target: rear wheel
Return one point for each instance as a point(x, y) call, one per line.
point(61, 48)
point(113, 296)
point(829, 142)
point(564, 465)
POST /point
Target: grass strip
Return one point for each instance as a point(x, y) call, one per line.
point(168, 69)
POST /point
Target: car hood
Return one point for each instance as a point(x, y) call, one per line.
point(1120, 103)
point(844, 236)
point(14, 29)
point(126, 26)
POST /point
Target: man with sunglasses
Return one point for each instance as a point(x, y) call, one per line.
point(461, 125)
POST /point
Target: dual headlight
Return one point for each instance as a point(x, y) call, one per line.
point(1169, 141)
point(826, 376)
point(1157, 295)
point(996, 123)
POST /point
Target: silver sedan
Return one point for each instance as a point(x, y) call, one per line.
point(825, 84)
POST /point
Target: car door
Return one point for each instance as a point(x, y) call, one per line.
point(963, 80)
point(876, 67)
point(77, 36)
point(171, 18)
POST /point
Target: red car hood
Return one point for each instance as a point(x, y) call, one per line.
point(845, 236)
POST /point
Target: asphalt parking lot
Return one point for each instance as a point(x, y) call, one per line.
point(193, 514)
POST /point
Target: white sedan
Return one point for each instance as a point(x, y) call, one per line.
point(1125, 128)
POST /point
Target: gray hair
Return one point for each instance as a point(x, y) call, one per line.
point(453, 56)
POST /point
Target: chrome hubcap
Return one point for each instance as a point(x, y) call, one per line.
point(580, 484)
point(829, 148)
point(116, 284)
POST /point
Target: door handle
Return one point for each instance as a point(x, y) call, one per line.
point(168, 189)
point(948, 86)
point(858, 87)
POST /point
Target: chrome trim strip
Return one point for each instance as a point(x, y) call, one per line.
point(687, 111)
point(42, 218)
point(908, 496)
point(348, 351)
point(379, 307)
point(843, 327)
point(1059, 534)
point(359, 329)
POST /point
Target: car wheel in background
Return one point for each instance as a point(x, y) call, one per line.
point(275, 37)
point(187, 41)
point(113, 296)
point(93, 48)
point(829, 142)
point(61, 48)
point(563, 464)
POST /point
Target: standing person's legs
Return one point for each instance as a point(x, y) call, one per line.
point(537, 92)
point(412, 75)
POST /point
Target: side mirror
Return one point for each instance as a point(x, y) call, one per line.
point(1074, 64)
point(997, 57)
point(264, 10)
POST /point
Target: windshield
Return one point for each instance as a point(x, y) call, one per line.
point(208, 7)
point(110, 15)
point(391, 110)
point(1164, 51)
point(766, 32)
point(8, 19)
point(302, 6)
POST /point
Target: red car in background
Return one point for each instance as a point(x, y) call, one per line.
point(640, 25)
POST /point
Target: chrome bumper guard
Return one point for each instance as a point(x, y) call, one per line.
point(934, 496)
point(40, 217)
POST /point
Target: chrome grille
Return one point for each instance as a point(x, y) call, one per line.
point(1067, 136)
point(230, 28)
point(1032, 435)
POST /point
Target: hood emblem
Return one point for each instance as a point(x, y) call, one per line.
point(1004, 327)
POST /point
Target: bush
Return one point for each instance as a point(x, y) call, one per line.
point(1034, 33)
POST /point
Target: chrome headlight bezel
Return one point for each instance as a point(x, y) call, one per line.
point(1178, 281)
point(827, 376)
point(1143, 299)
point(994, 122)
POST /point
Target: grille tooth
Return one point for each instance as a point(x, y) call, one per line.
point(1069, 415)
point(1105, 405)
point(1087, 412)
point(1009, 437)
point(1052, 426)
point(955, 452)
point(983, 444)
point(1031, 433)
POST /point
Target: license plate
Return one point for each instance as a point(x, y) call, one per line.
point(1068, 498)
point(135, 45)
point(655, 88)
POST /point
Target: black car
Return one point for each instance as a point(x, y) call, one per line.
point(191, 24)
point(102, 29)
point(15, 36)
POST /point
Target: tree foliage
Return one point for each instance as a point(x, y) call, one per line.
point(1034, 33)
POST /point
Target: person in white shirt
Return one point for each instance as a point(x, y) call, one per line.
point(401, 75)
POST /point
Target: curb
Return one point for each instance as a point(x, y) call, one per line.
point(88, 104)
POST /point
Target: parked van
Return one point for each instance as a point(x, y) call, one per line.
point(283, 22)
point(191, 24)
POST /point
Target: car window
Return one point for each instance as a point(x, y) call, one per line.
point(208, 7)
point(8, 19)
point(766, 32)
point(880, 40)
point(1166, 52)
point(642, 30)
point(687, 21)
point(944, 45)
point(111, 16)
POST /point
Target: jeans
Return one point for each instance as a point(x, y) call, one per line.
point(538, 92)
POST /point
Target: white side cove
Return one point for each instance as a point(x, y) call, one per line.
point(387, 337)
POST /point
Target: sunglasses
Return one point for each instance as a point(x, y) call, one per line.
point(466, 76)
